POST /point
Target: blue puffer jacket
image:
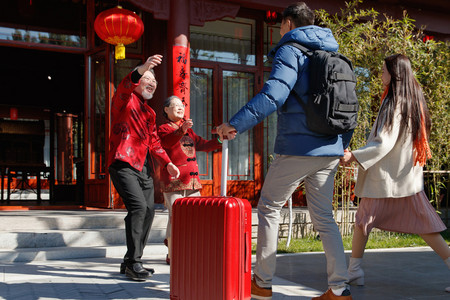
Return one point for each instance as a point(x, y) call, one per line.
point(290, 71)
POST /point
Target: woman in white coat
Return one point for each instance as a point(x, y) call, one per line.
point(390, 175)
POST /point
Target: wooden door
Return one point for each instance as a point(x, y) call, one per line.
point(98, 94)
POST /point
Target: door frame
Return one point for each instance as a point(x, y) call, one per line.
point(97, 190)
point(247, 189)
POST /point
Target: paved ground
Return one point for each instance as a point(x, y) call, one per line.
point(408, 273)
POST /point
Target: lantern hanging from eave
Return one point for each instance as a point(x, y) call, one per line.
point(271, 17)
point(119, 27)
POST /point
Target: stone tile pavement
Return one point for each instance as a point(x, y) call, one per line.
point(407, 273)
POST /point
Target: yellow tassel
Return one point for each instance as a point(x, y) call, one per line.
point(120, 51)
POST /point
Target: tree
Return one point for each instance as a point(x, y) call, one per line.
point(366, 37)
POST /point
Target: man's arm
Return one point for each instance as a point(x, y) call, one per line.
point(226, 130)
point(273, 95)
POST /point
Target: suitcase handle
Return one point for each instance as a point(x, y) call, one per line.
point(248, 252)
point(224, 174)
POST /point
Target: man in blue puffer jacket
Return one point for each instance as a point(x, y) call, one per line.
point(302, 155)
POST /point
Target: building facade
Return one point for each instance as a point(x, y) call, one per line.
point(56, 72)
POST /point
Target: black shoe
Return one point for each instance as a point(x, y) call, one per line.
point(123, 266)
point(137, 272)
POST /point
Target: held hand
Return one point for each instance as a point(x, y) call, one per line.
point(227, 131)
point(347, 158)
point(187, 124)
point(173, 170)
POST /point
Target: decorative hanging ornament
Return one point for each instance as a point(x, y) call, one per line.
point(271, 17)
point(119, 27)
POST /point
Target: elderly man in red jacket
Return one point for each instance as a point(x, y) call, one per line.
point(134, 143)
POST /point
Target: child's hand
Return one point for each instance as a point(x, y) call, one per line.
point(347, 158)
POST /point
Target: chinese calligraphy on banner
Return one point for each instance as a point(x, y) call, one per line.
point(181, 75)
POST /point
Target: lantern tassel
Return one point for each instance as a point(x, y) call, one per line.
point(120, 51)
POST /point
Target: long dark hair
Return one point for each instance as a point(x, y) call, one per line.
point(403, 90)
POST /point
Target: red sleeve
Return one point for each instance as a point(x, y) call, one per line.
point(123, 93)
point(157, 150)
point(169, 136)
point(204, 145)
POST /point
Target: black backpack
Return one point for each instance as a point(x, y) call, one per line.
point(332, 106)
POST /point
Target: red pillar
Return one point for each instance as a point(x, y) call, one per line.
point(179, 43)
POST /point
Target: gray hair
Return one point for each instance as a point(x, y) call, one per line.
point(167, 103)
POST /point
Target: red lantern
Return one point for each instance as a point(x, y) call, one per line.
point(427, 38)
point(119, 27)
point(271, 17)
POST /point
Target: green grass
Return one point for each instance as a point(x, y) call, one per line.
point(377, 240)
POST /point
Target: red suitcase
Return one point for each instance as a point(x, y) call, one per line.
point(211, 247)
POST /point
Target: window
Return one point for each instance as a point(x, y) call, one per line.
point(228, 40)
point(201, 114)
point(97, 120)
point(271, 38)
point(270, 133)
point(123, 67)
point(51, 22)
point(237, 91)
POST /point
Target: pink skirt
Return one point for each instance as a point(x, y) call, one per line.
point(413, 214)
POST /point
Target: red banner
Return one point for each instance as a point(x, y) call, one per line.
point(181, 75)
point(13, 113)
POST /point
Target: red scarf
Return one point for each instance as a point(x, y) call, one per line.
point(421, 148)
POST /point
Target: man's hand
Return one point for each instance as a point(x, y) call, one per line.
point(227, 131)
point(173, 170)
point(151, 62)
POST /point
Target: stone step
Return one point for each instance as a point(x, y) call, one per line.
point(39, 235)
point(46, 229)
point(66, 220)
point(62, 253)
point(72, 238)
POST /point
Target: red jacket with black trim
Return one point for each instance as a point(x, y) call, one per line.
point(181, 149)
point(133, 128)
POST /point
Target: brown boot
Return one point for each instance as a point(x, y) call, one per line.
point(259, 292)
point(329, 295)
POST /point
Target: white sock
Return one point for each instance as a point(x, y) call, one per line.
point(338, 291)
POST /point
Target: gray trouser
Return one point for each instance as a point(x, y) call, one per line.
point(284, 175)
point(169, 199)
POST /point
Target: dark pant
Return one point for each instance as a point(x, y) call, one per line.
point(136, 189)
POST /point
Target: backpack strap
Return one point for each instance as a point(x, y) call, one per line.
point(335, 76)
point(347, 107)
point(306, 51)
point(342, 77)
